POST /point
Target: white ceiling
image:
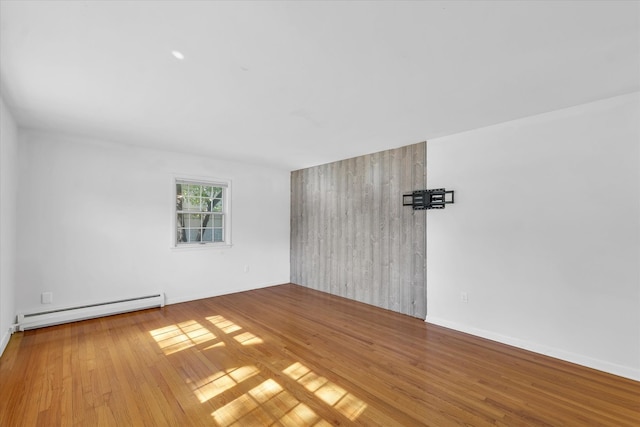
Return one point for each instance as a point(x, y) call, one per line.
point(295, 84)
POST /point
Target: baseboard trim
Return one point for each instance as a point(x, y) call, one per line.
point(589, 362)
point(4, 342)
point(59, 315)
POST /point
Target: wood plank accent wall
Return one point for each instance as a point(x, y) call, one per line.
point(351, 236)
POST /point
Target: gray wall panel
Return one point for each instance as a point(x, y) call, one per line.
point(350, 234)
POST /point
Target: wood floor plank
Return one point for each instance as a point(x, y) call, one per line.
point(291, 356)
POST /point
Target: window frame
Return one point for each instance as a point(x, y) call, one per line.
point(225, 184)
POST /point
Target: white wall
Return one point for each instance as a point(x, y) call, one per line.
point(95, 219)
point(544, 235)
point(8, 209)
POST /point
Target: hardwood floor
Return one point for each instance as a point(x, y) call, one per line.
point(287, 355)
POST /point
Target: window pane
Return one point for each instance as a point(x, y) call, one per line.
point(207, 235)
point(182, 235)
point(191, 197)
point(179, 197)
point(217, 220)
point(195, 190)
point(191, 203)
point(217, 235)
point(193, 234)
point(193, 220)
point(216, 201)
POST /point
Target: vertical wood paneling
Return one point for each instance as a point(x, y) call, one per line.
point(419, 289)
point(322, 206)
point(350, 234)
point(376, 228)
point(384, 288)
point(395, 157)
point(368, 210)
point(334, 280)
point(358, 228)
point(314, 194)
point(342, 228)
point(407, 231)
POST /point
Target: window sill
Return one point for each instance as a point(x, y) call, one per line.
point(200, 247)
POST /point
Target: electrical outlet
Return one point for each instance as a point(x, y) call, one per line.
point(46, 298)
point(464, 297)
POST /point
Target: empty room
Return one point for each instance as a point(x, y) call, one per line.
point(319, 213)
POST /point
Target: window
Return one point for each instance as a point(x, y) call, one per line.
point(201, 215)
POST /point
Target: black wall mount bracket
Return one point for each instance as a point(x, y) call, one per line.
point(428, 199)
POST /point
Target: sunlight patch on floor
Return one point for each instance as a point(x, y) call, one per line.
point(174, 338)
point(247, 338)
point(267, 404)
point(223, 324)
point(327, 391)
point(216, 345)
point(222, 381)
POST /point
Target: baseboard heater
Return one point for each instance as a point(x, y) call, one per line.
point(89, 311)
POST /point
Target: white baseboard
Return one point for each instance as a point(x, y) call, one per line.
point(6, 336)
point(59, 315)
point(600, 365)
